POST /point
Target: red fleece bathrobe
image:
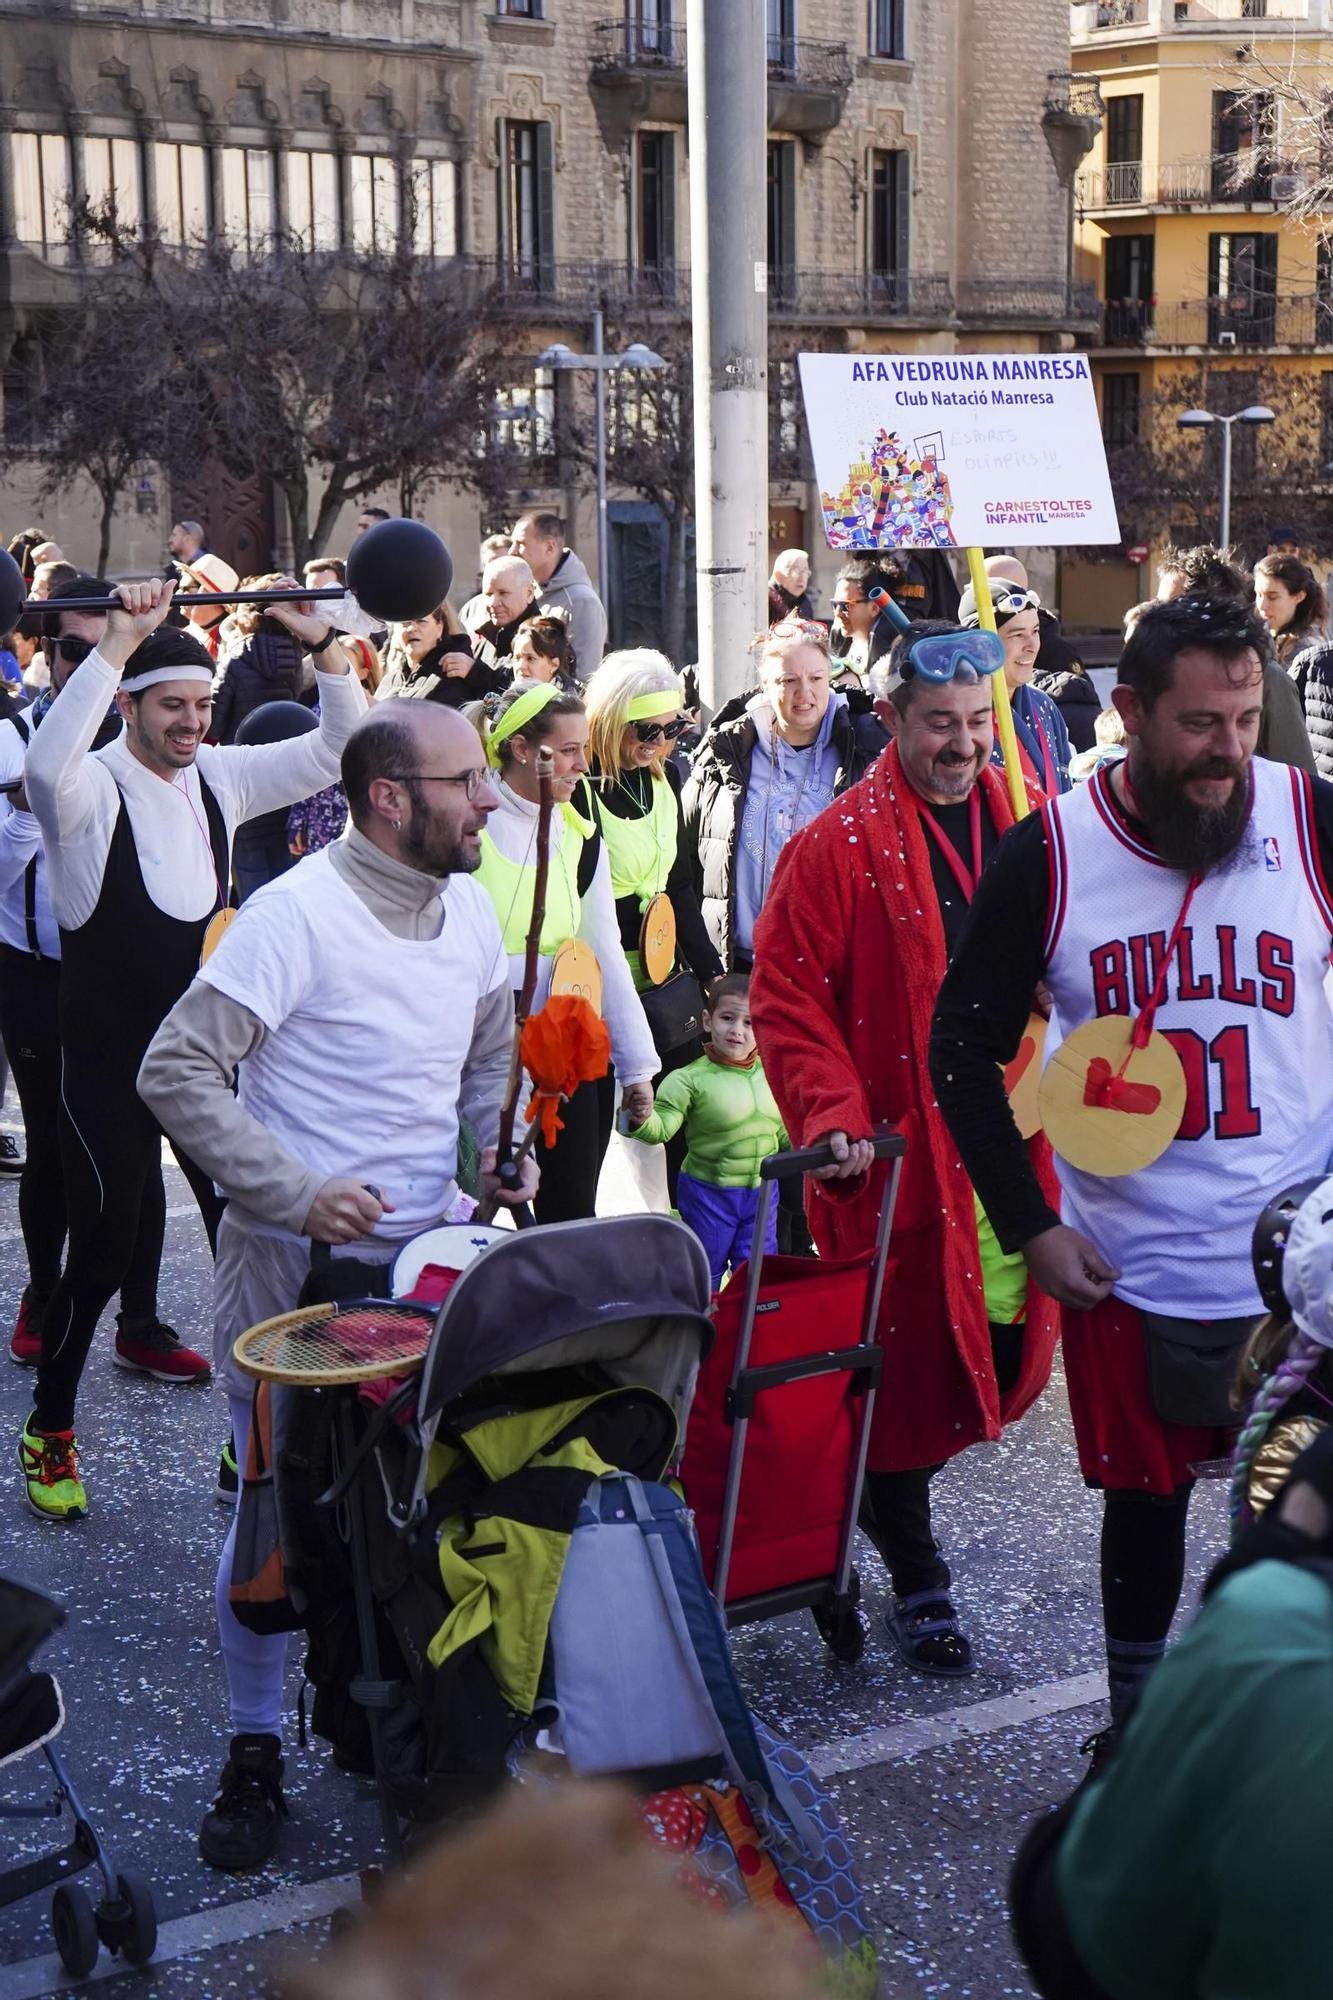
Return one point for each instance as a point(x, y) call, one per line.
point(849, 957)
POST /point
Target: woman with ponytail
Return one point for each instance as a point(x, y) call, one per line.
point(530, 716)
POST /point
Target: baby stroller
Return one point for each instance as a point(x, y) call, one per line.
point(601, 1322)
point(32, 1716)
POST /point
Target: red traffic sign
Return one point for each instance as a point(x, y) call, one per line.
point(1138, 553)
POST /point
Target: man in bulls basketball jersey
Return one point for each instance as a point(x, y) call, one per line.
point(1186, 888)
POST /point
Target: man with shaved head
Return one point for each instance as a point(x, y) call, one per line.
point(364, 999)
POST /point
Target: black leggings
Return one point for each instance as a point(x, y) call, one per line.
point(1142, 1562)
point(111, 1151)
point(571, 1168)
point(896, 1510)
point(29, 992)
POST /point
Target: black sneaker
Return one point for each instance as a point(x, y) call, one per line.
point(11, 1159)
point(240, 1829)
point(229, 1478)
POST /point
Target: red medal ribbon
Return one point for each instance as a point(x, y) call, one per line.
point(966, 882)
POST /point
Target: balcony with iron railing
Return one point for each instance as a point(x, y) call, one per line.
point(1156, 17)
point(808, 84)
point(1216, 180)
point(1025, 300)
point(864, 296)
point(645, 60)
point(1254, 320)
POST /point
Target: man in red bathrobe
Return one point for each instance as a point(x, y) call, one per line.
point(851, 947)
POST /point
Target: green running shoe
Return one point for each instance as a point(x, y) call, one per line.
point(49, 1462)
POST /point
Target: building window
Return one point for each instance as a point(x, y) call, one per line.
point(527, 196)
point(374, 204)
point(644, 410)
point(247, 198)
point(648, 27)
point(781, 214)
point(1323, 298)
point(1242, 288)
point(888, 28)
point(890, 199)
point(1129, 287)
point(180, 179)
point(113, 176)
point(436, 207)
point(782, 36)
point(522, 10)
point(1243, 123)
point(1326, 417)
point(1120, 410)
point(42, 191)
point(1124, 148)
point(312, 200)
point(524, 416)
point(655, 183)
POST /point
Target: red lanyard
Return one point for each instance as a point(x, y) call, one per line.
point(966, 881)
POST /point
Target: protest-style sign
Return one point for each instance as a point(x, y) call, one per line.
point(951, 451)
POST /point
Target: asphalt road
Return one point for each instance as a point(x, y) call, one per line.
point(936, 1779)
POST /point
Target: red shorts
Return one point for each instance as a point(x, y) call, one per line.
point(1122, 1442)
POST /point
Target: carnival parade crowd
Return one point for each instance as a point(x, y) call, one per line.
point(809, 916)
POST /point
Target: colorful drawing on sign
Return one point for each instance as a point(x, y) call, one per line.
point(896, 496)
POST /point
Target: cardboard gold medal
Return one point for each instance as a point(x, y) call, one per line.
point(1022, 1078)
point(1105, 1120)
point(574, 970)
point(657, 939)
point(218, 926)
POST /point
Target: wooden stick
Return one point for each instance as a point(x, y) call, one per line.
point(507, 1167)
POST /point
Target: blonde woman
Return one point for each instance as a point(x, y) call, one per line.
point(635, 704)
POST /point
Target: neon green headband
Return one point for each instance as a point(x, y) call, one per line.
point(664, 701)
point(516, 717)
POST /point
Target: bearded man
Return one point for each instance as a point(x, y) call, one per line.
point(866, 904)
point(1188, 885)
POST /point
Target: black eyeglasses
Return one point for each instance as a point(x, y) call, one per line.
point(74, 649)
point(473, 782)
point(658, 732)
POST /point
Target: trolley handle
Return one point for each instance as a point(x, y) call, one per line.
point(887, 1143)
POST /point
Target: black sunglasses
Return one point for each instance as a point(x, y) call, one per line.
point(74, 649)
point(656, 732)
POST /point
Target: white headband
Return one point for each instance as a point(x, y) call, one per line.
point(184, 670)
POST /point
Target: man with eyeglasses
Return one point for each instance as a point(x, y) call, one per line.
point(862, 630)
point(364, 1000)
point(865, 909)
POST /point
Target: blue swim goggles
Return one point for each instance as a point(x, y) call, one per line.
point(954, 656)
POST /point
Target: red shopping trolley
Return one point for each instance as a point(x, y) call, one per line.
point(775, 1452)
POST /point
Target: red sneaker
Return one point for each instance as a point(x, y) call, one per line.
point(156, 1350)
point(25, 1343)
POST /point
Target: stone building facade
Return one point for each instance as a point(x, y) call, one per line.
point(914, 197)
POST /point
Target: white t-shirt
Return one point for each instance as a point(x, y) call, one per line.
point(367, 1033)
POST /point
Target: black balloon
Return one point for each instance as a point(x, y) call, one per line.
point(399, 569)
point(13, 593)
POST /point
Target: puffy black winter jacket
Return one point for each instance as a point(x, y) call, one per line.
point(269, 667)
point(714, 798)
point(1312, 672)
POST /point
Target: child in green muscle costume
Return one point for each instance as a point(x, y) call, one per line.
point(731, 1124)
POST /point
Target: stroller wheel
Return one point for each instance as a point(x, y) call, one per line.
point(841, 1630)
point(74, 1928)
point(134, 1920)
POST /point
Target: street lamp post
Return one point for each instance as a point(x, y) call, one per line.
point(1198, 420)
point(600, 364)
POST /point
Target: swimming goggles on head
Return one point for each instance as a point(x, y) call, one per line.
point(954, 656)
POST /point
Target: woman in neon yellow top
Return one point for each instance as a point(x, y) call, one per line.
point(579, 904)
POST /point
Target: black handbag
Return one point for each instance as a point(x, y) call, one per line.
point(675, 1011)
point(1192, 1368)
